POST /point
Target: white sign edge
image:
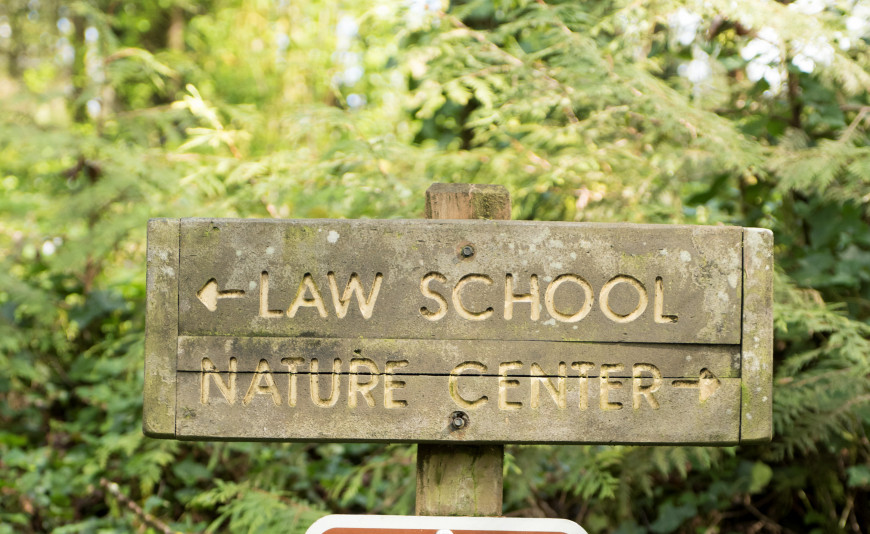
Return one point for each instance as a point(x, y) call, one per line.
point(506, 524)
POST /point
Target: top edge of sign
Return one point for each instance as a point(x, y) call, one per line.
point(463, 222)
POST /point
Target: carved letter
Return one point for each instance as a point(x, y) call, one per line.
point(606, 384)
point(453, 384)
point(391, 384)
point(639, 391)
point(428, 293)
point(264, 372)
point(209, 370)
point(264, 298)
point(366, 305)
point(532, 297)
point(558, 392)
point(363, 388)
point(660, 316)
point(316, 301)
point(457, 297)
point(642, 299)
point(550, 298)
point(334, 391)
point(291, 364)
point(504, 384)
point(584, 368)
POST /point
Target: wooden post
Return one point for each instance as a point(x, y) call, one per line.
point(462, 479)
point(468, 201)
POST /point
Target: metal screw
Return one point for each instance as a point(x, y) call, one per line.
point(458, 420)
point(467, 251)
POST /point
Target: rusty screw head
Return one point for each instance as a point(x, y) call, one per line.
point(467, 251)
point(458, 420)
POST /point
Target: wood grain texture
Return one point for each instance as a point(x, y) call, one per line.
point(522, 416)
point(468, 201)
point(464, 480)
point(476, 471)
point(223, 290)
point(440, 357)
point(757, 347)
point(161, 329)
point(695, 270)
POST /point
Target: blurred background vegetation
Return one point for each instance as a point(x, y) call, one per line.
point(751, 113)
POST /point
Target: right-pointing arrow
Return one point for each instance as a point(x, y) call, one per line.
point(707, 383)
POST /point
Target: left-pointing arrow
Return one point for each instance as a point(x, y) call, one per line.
point(209, 294)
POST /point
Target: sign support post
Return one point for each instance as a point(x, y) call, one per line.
point(462, 479)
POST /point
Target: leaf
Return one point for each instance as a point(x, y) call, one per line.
point(760, 477)
point(671, 517)
point(858, 476)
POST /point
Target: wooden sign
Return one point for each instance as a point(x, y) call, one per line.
point(467, 331)
point(398, 524)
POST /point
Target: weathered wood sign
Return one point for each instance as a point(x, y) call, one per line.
point(474, 331)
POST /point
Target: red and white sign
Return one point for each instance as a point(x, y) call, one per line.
point(409, 524)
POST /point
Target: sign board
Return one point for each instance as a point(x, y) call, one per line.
point(449, 330)
point(398, 524)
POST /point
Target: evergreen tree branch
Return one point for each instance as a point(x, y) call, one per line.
point(480, 37)
point(847, 134)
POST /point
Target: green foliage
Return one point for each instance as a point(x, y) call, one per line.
point(247, 509)
point(663, 111)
